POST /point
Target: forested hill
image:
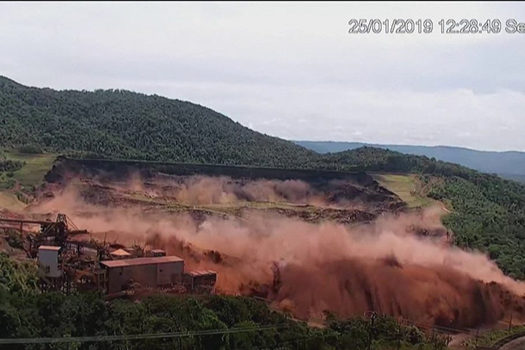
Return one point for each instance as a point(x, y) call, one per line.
point(129, 125)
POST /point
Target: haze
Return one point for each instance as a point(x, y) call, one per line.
point(285, 69)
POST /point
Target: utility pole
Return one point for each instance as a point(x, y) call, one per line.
point(433, 338)
point(371, 329)
point(399, 338)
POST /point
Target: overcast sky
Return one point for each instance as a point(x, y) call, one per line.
point(286, 69)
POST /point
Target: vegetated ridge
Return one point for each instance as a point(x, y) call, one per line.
point(129, 125)
point(509, 164)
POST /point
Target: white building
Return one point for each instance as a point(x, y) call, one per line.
point(48, 260)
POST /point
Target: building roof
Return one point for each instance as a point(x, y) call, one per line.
point(141, 261)
point(120, 252)
point(49, 247)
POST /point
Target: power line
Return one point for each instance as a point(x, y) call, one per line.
point(106, 338)
point(181, 334)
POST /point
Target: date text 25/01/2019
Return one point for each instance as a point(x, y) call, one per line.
point(443, 26)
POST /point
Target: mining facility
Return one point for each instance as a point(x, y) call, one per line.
point(69, 260)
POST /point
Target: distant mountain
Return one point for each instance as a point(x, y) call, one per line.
point(507, 164)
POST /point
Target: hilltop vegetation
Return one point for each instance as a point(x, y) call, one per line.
point(128, 125)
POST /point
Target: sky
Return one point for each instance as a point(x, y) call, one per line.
point(290, 70)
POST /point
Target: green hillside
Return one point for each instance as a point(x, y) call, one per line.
point(124, 124)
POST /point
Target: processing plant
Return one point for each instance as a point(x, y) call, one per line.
point(70, 260)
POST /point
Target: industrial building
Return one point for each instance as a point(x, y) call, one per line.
point(148, 272)
point(200, 281)
point(48, 261)
point(70, 260)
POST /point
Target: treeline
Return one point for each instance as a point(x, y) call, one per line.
point(488, 215)
point(26, 313)
point(381, 160)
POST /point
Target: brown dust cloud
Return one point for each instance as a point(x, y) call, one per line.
point(304, 268)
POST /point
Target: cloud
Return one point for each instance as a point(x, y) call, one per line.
point(290, 70)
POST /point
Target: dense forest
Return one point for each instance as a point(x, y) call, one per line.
point(124, 124)
point(209, 322)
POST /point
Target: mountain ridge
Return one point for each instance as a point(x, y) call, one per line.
point(126, 124)
point(505, 163)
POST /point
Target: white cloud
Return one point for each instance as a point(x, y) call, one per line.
point(287, 69)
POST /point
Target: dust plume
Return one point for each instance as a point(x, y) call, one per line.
point(208, 190)
point(308, 268)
